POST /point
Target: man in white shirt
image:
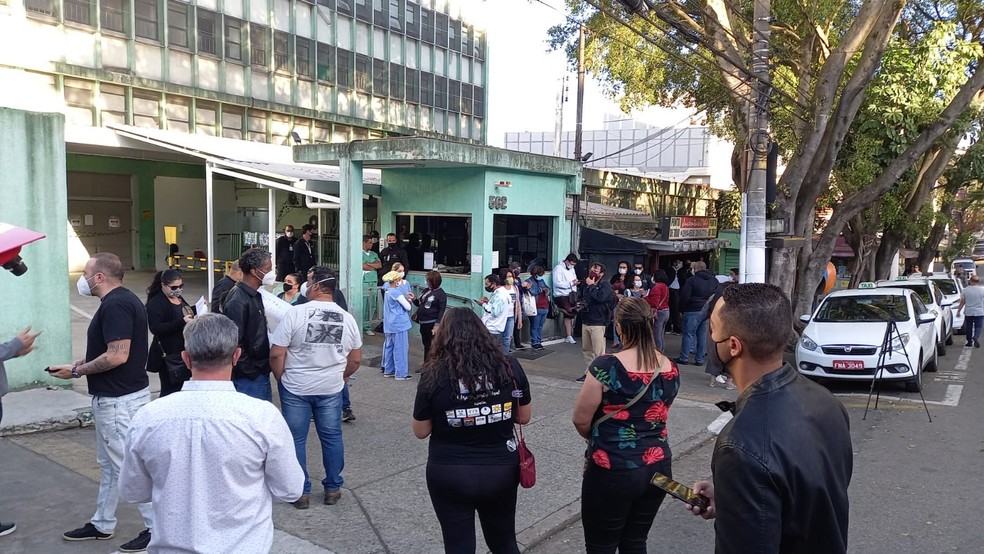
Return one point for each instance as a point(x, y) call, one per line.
point(209, 458)
point(314, 350)
point(564, 283)
point(972, 298)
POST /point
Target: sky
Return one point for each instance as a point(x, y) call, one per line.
point(525, 78)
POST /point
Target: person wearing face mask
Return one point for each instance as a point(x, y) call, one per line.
point(285, 253)
point(621, 283)
point(115, 368)
point(167, 315)
point(788, 444)
point(225, 284)
point(678, 275)
point(244, 306)
point(391, 254)
point(513, 308)
point(497, 308)
point(647, 279)
point(658, 299)
point(304, 251)
point(536, 286)
point(565, 282)
point(370, 265)
point(292, 290)
point(396, 321)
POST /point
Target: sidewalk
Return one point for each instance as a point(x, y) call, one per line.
point(50, 479)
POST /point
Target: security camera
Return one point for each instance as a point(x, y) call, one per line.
point(11, 240)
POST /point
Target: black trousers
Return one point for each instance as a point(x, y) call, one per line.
point(426, 337)
point(674, 323)
point(458, 491)
point(618, 507)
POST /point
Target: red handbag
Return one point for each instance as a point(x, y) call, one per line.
point(527, 463)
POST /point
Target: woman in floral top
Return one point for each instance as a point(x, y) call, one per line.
point(625, 450)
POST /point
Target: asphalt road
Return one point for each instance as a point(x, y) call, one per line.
point(916, 484)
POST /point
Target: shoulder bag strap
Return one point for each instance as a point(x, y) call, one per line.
point(635, 399)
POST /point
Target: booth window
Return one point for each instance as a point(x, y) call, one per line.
point(522, 238)
point(447, 237)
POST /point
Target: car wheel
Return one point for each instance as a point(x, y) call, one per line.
point(915, 384)
point(933, 364)
point(941, 347)
point(949, 339)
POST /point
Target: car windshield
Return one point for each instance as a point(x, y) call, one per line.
point(861, 309)
point(946, 286)
point(964, 265)
point(921, 290)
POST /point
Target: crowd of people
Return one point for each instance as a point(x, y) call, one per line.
point(787, 446)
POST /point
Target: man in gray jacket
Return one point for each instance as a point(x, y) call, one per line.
point(21, 345)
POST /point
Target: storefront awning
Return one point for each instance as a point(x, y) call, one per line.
point(598, 242)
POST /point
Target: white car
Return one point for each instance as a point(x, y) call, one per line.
point(967, 265)
point(933, 298)
point(843, 339)
point(951, 287)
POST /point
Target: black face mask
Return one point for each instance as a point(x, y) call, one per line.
point(724, 363)
point(288, 287)
point(489, 288)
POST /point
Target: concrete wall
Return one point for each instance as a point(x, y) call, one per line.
point(34, 193)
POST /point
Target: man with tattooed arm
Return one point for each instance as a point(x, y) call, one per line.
point(115, 370)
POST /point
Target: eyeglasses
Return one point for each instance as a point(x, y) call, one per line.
point(175, 287)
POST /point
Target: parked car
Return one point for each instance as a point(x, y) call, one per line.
point(932, 297)
point(966, 265)
point(951, 287)
point(844, 337)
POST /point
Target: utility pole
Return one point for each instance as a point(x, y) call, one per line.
point(758, 141)
point(559, 117)
point(576, 200)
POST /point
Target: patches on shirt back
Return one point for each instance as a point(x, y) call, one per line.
point(479, 415)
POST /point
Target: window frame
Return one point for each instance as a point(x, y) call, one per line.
point(203, 38)
point(345, 68)
point(229, 22)
point(121, 9)
point(175, 8)
point(146, 23)
point(397, 82)
point(283, 59)
point(259, 45)
point(304, 64)
point(325, 65)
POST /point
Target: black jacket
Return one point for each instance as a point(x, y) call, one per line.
point(166, 323)
point(389, 256)
point(285, 253)
point(781, 470)
point(219, 293)
point(695, 292)
point(244, 306)
point(432, 304)
point(304, 258)
point(600, 300)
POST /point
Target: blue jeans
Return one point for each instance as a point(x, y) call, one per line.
point(507, 335)
point(395, 351)
point(659, 331)
point(694, 330)
point(327, 410)
point(536, 326)
point(259, 388)
point(972, 326)
point(346, 401)
point(111, 417)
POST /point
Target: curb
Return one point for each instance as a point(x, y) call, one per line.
point(82, 418)
point(554, 523)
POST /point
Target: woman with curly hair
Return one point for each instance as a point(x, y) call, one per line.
point(621, 411)
point(469, 396)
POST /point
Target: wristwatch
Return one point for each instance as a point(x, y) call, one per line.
point(75, 371)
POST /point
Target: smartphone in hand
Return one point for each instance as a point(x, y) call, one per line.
point(680, 491)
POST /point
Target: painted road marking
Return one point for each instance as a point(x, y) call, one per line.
point(81, 312)
point(954, 388)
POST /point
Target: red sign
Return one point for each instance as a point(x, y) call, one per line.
point(848, 364)
point(689, 228)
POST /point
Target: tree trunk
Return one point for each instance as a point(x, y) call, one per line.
point(890, 244)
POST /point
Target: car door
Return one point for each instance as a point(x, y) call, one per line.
point(926, 332)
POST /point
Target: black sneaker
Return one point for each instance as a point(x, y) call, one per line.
point(976, 344)
point(347, 415)
point(138, 544)
point(87, 532)
point(7, 528)
point(580, 379)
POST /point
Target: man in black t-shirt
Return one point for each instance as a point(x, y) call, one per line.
point(115, 368)
point(285, 253)
point(304, 252)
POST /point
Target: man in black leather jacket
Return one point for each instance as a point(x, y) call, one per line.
point(244, 306)
point(783, 464)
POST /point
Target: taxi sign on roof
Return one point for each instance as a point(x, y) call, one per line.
point(902, 278)
point(866, 285)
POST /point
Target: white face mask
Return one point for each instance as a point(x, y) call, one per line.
point(622, 271)
point(402, 274)
point(638, 284)
point(83, 286)
point(289, 234)
point(269, 278)
point(304, 289)
point(638, 272)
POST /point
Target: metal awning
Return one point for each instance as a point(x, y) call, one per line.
point(595, 241)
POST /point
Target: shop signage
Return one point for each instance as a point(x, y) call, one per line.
point(114, 222)
point(497, 202)
point(689, 228)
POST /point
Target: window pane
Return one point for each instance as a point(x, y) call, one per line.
point(112, 15)
point(346, 68)
point(466, 99)
point(412, 24)
point(479, 45)
point(396, 15)
point(441, 30)
point(380, 77)
point(427, 26)
point(454, 36)
point(232, 122)
point(146, 110)
point(454, 95)
point(304, 66)
point(40, 7)
point(396, 89)
point(233, 38)
point(447, 237)
point(466, 39)
point(426, 88)
point(112, 103)
point(78, 11)
point(177, 24)
point(206, 32)
point(441, 92)
point(520, 238)
point(344, 6)
point(362, 73)
point(206, 116)
point(363, 10)
point(281, 51)
point(413, 85)
point(146, 18)
point(479, 102)
point(258, 45)
point(380, 13)
point(178, 112)
point(326, 63)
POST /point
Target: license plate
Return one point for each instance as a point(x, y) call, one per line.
point(848, 364)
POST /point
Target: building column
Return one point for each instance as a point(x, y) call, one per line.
point(350, 235)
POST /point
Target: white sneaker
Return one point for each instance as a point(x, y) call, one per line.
point(721, 379)
point(570, 340)
point(370, 333)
